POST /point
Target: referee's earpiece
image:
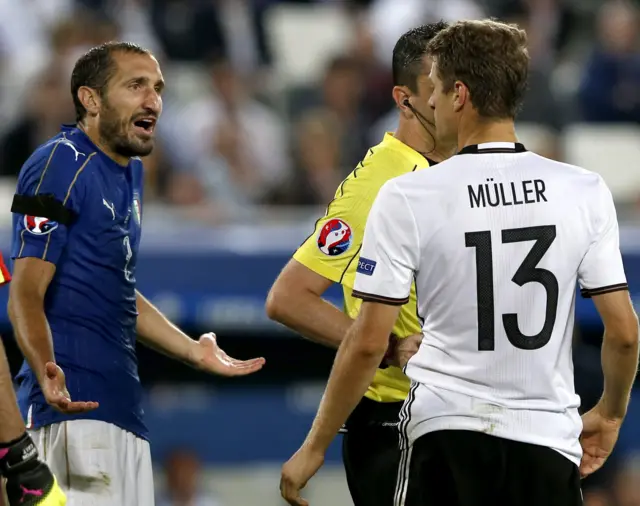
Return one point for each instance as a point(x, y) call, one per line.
point(424, 121)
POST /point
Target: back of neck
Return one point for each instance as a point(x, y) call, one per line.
point(485, 131)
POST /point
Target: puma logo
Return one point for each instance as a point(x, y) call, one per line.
point(26, 492)
point(72, 146)
point(111, 208)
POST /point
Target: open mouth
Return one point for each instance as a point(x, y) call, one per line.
point(145, 125)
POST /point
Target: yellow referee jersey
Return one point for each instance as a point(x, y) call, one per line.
point(332, 251)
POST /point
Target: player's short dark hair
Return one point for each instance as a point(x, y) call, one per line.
point(95, 68)
point(409, 51)
point(490, 58)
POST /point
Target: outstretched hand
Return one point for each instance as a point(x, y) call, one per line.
point(209, 357)
point(56, 394)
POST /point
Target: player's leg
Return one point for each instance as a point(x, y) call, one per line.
point(98, 464)
point(371, 458)
point(424, 477)
point(28, 479)
point(539, 475)
point(371, 453)
point(457, 468)
point(144, 488)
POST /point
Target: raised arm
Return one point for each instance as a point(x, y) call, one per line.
point(157, 332)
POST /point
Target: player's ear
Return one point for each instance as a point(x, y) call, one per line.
point(90, 99)
point(401, 96)
point(460, 95)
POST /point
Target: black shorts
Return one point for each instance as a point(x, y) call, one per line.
point(463, 468)
point(371, 454)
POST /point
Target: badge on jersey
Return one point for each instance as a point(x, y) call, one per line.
point(366, 266)
point(335, 237)
point(39, 226)
point(137, 208)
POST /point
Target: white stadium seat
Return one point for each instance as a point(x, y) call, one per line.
point(613, 151)
point(304, 38)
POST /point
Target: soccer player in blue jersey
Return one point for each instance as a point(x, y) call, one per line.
point(73, 301)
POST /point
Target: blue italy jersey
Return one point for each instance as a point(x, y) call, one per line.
point(78, 209)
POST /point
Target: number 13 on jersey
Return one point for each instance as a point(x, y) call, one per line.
point(528, 272)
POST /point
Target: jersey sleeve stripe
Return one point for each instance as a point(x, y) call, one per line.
point(355, 171)
point(66, 198)
point(75, 178)
point(21, 243)
point(349, 263)
point(46, 247)
point(587, 293)
point(46, 167)
point(370, 297)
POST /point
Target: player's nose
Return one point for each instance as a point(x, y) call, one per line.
point(153, 104)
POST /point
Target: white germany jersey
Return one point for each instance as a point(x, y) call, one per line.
point(496, 238)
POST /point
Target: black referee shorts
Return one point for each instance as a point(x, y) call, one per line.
point(371, 454)
point(463, 468)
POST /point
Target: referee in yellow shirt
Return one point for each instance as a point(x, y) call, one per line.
point(330, 255)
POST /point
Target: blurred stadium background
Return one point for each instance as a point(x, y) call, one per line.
point(269, 105)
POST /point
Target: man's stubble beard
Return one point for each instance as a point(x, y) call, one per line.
point(113, 133)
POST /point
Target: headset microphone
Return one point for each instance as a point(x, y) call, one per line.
point(423, 121)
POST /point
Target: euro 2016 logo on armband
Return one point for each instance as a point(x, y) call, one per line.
point(39, 226)
point(334, 237)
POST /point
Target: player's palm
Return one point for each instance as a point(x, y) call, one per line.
point(599, 436)
point(211, 358)
point(56, 393)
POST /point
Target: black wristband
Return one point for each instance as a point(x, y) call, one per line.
point(18, 456)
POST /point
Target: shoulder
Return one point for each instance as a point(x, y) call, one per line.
point(59, 161)
point(430, 179)
point(578, 180)
point(388, 161)
point(379, 165)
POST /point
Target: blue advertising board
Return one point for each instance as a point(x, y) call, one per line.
point(219, 278)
